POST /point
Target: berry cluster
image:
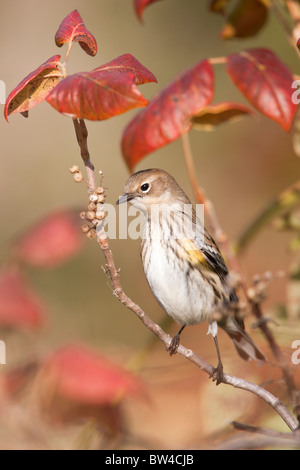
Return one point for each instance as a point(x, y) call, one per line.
point(95, 213)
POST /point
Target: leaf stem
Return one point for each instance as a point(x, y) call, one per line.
point(288, 197)
point(190, 165)
point(285, 201)
point(68, 51)
point(209, 210)
point(218, 60)
point(292, 32)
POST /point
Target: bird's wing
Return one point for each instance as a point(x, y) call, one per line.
point(213, 255)
point(202, 252)
point(199, 248)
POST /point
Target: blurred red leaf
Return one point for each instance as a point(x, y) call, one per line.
point(52, 241)
point(19, 305)
point(34, 88)
point(104, 92)
point(140, 6)
point(213, 115)
point(266, 82)
point(17, 378)
point(72, 29)
point(169, 113)
point(79, 374)
point(247, 18)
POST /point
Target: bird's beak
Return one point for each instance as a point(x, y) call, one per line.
point(124, 198)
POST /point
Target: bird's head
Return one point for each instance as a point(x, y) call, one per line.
point(154, 186)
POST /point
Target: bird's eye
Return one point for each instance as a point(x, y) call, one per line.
point(145, 187)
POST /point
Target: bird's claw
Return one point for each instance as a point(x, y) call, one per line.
point(172, 348)
point(217, 374)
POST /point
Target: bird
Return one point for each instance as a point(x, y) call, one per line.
point(183, 265)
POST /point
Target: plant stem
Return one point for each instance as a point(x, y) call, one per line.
point(190, 165)
point(292, 32)
point(292, 438)
point(113, 272)
point(218, 60)
point(287, 198)
point(209, 210)
point(82, 135)
point(285, 201)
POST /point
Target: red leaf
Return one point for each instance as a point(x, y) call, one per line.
point(127, 64)
point(213, 115)
point(105, 92)
point(17, 378)
point(34, 88)
point(79, 374)
point(140, 6)
point(19, 305)
point(72, 29)
point(246, 20)
point(169, 113)
point(52, 241)
point(266, 82)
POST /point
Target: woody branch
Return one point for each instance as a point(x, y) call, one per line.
point(278, 406)
point(254, 304)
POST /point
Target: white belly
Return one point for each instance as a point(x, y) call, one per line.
point(186, 298)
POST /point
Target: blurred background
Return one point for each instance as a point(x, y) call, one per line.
point(242, 166)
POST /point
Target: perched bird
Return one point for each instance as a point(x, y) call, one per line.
point(183, 265)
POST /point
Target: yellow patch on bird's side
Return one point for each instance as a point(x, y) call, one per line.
point(194, 254)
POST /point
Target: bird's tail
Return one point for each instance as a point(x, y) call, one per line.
point(243, 342)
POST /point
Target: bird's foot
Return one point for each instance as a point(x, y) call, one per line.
point(217, 374)
point(172, 349)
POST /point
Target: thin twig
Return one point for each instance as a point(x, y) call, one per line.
point(236, 382)
point(210, 213)
point(292, 437)
point(294, 11)
point(82, 136)
point(190, 165)
point(218, 60)
point(287, 372)
point(254, 437)
point(286, 198)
